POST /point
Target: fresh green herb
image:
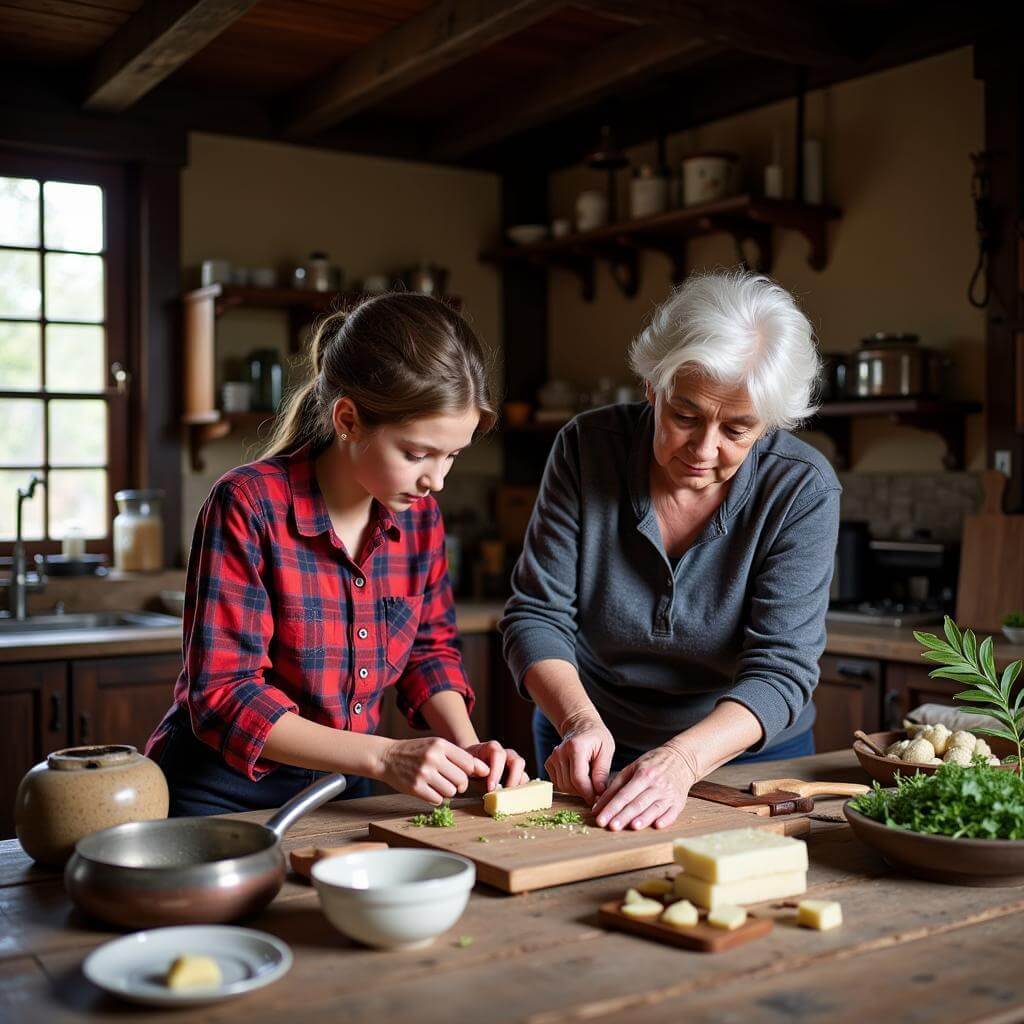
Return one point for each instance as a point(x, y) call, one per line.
point(501, 815)
point(1015, 620)
point(973, 802)
point(482, 839)
point(560, 819)
point(439, 817)
point(464, 941)
point(966, 661)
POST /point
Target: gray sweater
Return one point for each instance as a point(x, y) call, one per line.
point(741, 616)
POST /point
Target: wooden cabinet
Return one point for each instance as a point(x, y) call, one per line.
point(848, 697)
point(907, 686)
point(33, 722)
point(47, 705)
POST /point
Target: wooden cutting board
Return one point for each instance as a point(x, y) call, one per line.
point(991, 561)
point(518, 859)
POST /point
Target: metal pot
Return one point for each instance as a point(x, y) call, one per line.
point(197, 870)
point(894, 365)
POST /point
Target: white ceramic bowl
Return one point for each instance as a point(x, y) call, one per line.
point(394, 899)
point(525, 234)
point(1015, 634)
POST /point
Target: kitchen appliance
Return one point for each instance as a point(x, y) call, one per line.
point(554, 856)
point(196, 870)
point(895, 365)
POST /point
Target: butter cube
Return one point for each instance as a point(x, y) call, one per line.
point(535, 795)
point(738, 854)
point(819, 914)
point(655, 887)
point(746, 890)
point(647, 909)
point(681, 914)
point(729, 918)
point(193, 970)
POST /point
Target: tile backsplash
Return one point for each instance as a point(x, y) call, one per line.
point(898, 504)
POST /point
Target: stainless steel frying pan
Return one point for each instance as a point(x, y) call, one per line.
point(186, 870)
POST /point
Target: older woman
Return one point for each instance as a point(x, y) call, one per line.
point(668, 611)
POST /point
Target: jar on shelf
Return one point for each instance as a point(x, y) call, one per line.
point(266, 376)
point(139, 531)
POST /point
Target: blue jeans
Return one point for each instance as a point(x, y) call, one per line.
point(546, 738)
point(201, 783)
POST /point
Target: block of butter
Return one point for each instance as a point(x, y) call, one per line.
point(819, 914)
point(738, 854)
point(535, 795)
point(729, 918)
point(193, 970)
point(746, 890)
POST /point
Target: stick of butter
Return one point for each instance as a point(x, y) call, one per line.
point(820, 914)
point(194, 970)
point(535, 795)
point(747, 890)
point(729, 918)
point(739, 853)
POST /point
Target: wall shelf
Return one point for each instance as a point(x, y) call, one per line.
point(749, 219)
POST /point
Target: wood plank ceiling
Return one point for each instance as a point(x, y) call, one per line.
point(483, 82)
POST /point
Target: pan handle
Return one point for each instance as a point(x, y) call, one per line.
point(308, 800)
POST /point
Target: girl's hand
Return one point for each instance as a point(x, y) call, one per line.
point(431, 768)
point(500, 760)
point(651, 791)
point(580, 763)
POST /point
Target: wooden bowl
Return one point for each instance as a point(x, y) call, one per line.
point(884, 769)
point(978, 862)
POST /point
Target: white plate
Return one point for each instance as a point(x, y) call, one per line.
point(134, 967)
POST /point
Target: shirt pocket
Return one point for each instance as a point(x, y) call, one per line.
point(401, 622)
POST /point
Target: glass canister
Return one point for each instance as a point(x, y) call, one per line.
point(139, 531)
point(266, 374)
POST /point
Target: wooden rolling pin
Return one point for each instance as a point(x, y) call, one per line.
point(303, 859)
point(802, 788)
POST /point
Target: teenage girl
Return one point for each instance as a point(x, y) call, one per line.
point(317, 579)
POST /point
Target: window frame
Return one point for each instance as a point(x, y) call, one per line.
point(112, 178)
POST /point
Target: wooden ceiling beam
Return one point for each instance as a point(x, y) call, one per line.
point(795, 31)
point(152, 44)
point(620, 62)
point(441, 36)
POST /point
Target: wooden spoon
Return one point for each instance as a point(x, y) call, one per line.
point(869, 743)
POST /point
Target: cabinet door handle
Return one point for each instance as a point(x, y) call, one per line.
point(83, 726)
point(848, 671)
point(892, 714)
point(56, 712)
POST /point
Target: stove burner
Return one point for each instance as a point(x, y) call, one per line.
point(885, 613)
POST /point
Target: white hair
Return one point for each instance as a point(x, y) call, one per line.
point(740, 329)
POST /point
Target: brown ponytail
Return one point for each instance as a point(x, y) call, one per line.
point(398, 356)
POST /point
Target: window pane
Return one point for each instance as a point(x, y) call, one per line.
point(21, 432)
point(73, 216)
point(19, 211)
point(31, 510)
point(74, 357)
point(78, 496)
point(19, 284)
point(78, 432)
point(19, 356)
point(74, 287)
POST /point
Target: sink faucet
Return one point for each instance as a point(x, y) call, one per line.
point(21, 585)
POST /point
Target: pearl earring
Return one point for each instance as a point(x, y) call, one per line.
point(344, 437)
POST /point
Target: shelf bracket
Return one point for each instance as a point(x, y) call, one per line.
point(200, 434)
point(581, 263)
point(674, 249)
point(839, 430)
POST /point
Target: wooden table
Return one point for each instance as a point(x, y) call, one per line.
point(908, 951)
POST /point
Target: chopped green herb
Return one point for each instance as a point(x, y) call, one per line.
point(439, 817)
point(978, 801)
point(560, 819)
point(482, 839)
point(464, 941)
point(500, 815)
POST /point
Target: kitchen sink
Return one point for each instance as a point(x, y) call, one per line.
point(88, 621)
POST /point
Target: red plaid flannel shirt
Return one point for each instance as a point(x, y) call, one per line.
point(279, 617)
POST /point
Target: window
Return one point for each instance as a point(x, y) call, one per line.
point(62, 320)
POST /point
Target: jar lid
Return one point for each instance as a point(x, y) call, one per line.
point(75, 759)
point(721, 154)
point(141, 494)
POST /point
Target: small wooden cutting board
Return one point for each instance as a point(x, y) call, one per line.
point(702, 937)
point(519, 859)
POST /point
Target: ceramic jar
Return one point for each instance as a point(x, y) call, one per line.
point(591, 210)
point(709, 176)
point(81, 790)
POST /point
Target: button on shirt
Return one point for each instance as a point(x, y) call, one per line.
point(279, 617)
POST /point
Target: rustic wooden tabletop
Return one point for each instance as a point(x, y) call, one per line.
point(908, 950)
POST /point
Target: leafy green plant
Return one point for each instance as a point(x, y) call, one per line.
point(975, 802)
point(1015, 620)
point(966, 661)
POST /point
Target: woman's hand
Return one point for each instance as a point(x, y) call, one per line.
point(580, 763)
point(500, 761)
point(432, 768)
point(651, 791)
